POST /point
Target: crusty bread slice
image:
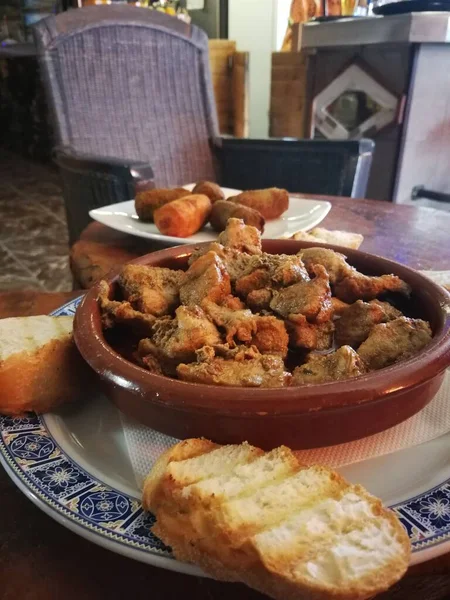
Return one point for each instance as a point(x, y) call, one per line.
point(40, 366)
point(336, 237)
point(290, 531)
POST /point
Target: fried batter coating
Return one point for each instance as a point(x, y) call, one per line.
point(311, 299)
point(335, 366)
point(240, 236)
point(397, 340)
point(205, 278)
point(368, 288)
point(349, 285)
point(334, 262)
point(183, 217)
point(176, 340)
point(271, 336)
point(239, 325)
point(210, 189)
point(247, 367)
point(259, 300)
point(271, 271)
point(271, 202)
point(114, 312)
point(151, 290)
point(338, 306)
point(224, 210)
point(148, 201)
point(358, 319)
point(236, 262)
point(310, 336)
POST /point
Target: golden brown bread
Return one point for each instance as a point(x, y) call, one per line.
point(40, 367)
point(262, 518)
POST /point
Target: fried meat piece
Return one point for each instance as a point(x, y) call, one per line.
point(205, 278)
point(259, 300)
point(367, 288)
point(358, 319)
point(322, 368)
point(397, 340)
point(348, 284)
point(310, 336)
point(239, 236)
point(311, 299)
point(114, 312)
point(271, 336)
point(151, 290)
point(271, 271)
point(334, 263)
point(338, 306)
point(236, 262)
point(245, 367)
point(176, 340)
point(239, 324)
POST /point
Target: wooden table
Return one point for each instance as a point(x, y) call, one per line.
point(418, 237)
point(40, 559)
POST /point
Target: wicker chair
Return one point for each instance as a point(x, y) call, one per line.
point(133, 106)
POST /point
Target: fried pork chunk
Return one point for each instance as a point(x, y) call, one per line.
point(349, 285)
point(241, 367)
point(151, 290)
point(310, 336)
point(271, 336)
point(239, 325)
point(122, 313)
point(358, 319)
point(368, 288)
point(310, 299)
point(267, 271)
point(397, 340)
point(176, 340)
point(206, 278)
point(322, 368)
point(240, 236)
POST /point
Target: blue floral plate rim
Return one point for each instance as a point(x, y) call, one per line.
point(95, 510)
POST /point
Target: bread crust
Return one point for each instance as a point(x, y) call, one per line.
point(229, 552)
point(43, 379)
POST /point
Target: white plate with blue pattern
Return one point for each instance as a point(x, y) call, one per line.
point(74, 465)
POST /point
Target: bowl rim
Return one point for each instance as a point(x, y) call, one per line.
point(371, 387)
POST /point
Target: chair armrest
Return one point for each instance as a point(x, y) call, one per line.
point(93, 181)
point(139, 173)
point(336, 168)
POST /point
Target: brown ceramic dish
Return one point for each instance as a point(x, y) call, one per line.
point(300, 417)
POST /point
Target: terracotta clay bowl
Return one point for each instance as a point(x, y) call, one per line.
point(300, 417)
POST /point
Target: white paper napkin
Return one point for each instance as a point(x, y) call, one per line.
point(146, 445)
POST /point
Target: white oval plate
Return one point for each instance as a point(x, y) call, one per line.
point(74, 465)
point(302, 214)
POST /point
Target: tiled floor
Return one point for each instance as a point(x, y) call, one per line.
point(34, 251)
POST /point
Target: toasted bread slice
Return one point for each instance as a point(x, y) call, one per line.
point(40, 366)
point(290, 531)
point(336, 237)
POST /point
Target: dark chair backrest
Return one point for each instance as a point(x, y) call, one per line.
point(336, 168)
point(132, 84)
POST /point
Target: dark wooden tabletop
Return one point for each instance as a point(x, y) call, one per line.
point(40, 559)
point(418, 237)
